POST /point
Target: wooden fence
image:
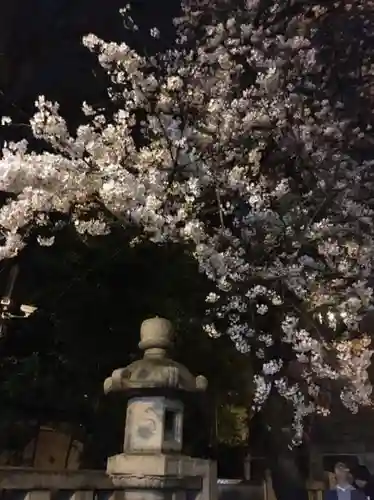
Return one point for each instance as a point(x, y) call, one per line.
point(33, 484)
point(315, 490)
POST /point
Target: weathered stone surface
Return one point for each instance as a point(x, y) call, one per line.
point(152, 466)
point(154, 424)
point(156, 369)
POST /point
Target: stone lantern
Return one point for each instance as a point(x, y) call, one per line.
point(152, 465)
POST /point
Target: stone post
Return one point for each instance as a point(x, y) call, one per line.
point(152, 465)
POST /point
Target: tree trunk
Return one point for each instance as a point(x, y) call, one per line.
point(288, 483)
point(273, 437)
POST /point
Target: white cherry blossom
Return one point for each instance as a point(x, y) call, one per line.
point(245, 161)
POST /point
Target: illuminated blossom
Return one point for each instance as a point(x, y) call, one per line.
point(245, 161)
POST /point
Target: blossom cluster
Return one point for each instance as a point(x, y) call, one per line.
point(245, 160)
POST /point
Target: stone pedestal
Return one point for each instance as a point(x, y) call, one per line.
point(177, 477)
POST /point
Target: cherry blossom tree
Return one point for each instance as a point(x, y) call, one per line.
point(232, 145)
